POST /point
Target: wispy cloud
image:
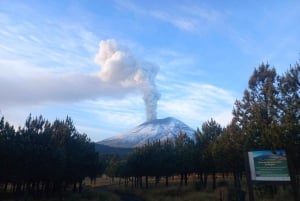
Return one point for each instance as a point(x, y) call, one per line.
point(203, 13)
point(112, 116)
point(196, 103)
point(53, 61)
point(48, 44)
point(256, 41)
point(184, 17)
point(99, 118)
point(183, 23)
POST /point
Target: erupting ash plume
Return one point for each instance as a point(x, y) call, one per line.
point(120, 67)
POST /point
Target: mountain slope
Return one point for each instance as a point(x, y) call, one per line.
point(158, 129)
point(107, 150)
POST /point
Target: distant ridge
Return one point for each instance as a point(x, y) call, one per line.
point(157, 129)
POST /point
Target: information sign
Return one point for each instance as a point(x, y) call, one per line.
point(268, 165)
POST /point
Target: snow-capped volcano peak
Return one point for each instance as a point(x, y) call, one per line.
point(157, 129)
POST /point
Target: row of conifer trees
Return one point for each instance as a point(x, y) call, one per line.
point(45, 157)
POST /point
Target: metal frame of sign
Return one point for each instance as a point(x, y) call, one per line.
point(270, 167)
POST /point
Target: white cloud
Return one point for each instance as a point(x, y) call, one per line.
point(50, 44)
point(203, 12)
point(94, 133)
point(53, 62)
point(26, 85)
point(99, 118)
point(49, 66)
point(184, 17)
point(177, 21)
point(107, 117)
point(127, 110)
point(104, 118)
point(196, 103)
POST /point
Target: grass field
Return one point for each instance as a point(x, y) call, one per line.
point(104, 189)
point(191, 192)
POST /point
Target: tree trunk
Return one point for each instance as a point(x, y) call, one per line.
point(293, 171)
point(167, 181)
point(5, 187)
point(214, 183)
point(185, 178)
point(200, 176)
point(132, 182)
point(141, 181)
point(205, 180)
point(157, 178)
point(237, 179)
point(181, 179)
point(80, 186)
point(74, 187)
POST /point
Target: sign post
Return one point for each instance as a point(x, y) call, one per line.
point(266, 166)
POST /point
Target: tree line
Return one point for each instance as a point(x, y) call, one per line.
point(44, 157)
point(183, 156)
point(267, 117)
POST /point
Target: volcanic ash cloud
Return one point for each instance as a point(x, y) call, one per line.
point(119, 67)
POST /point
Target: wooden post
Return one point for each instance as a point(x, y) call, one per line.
point(248, 177)
point(292, 170)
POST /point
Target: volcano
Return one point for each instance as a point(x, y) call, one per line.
point(150, 131)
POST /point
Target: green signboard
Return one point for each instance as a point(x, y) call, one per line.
point(268, 165)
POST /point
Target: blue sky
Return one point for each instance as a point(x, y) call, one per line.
point(204, 53)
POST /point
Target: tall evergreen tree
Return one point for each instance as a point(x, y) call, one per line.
point(257, 113)
point(289, 88)
point(184, 147)
point(44, 157)
point(210, 131)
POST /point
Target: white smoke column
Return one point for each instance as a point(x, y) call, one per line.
point(119, 67)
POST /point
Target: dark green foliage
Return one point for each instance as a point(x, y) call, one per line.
point(206, 158)
point(289, 88)
point(269, 113)
point(153, 159)
point(44, 157)
point(257, 113)
point(184, 148)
